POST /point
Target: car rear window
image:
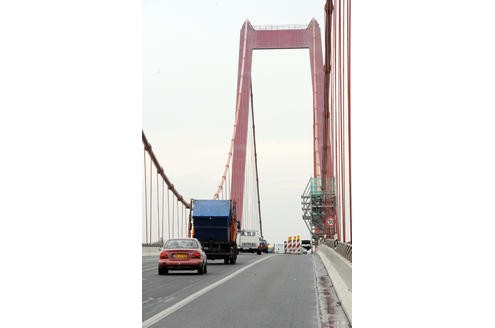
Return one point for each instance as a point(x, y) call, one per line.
point(177, 243)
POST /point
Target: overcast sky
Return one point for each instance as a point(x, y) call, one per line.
point(190, 58)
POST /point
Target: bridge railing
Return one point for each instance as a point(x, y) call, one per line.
point(341, 248)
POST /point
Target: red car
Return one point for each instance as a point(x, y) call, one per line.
point(182, 254)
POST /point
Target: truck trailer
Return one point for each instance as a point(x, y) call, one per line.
point(215, 226)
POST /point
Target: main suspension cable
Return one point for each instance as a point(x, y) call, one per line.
point(147, 147)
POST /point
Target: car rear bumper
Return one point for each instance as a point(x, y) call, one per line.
point(180, 265)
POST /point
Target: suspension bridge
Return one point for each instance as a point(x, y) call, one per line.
point(166, 210)
point(326, 199)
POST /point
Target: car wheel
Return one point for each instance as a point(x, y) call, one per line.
point(201, 270)
point(226, 260)
point(233, 259)
point(206, 267)
point(162, 271)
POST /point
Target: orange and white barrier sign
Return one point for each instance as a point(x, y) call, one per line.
point(289, 245)
point(293, 245)
point(297, 248)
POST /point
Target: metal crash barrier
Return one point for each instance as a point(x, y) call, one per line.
point(337, 258)
point(341, 248)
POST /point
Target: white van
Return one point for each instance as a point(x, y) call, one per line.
point(248, 240)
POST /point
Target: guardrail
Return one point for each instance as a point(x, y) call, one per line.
point(336, 258)
point(147, 250)
point(156, 244)
point(341, 248)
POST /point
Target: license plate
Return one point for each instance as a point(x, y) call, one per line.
point(180, 256)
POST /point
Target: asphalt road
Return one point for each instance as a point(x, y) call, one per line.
point(279, 291)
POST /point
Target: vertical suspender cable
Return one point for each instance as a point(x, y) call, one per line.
point(145, 197)
point(151, 198)
point(189, 222)
point(228, 184)
point(173, 217)
point(181, 222)
point(245, 208)
point(158, 205)
point(341, 123)
point(163, 208)
point(344, 126)
point(335, 125)
point(337, 118)
point(256, 160)
point(339, 78)
point(327, 103)
point(168, 211)
point(177, 216)
point(349, 109)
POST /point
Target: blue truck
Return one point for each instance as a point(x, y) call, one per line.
point(215, 226)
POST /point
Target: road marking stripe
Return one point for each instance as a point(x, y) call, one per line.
point(152, 268)
point(168, 311)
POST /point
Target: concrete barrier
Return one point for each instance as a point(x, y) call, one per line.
point(150, 251)
point(340, 272)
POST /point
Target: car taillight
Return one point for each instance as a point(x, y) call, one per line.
point(196, 255)
point(163, 256)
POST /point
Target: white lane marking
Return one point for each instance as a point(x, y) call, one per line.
point(152, 268)
point(168, 311)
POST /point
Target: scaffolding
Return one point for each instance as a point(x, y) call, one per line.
point(317, 205)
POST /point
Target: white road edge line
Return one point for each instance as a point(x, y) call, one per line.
point(168, 311)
